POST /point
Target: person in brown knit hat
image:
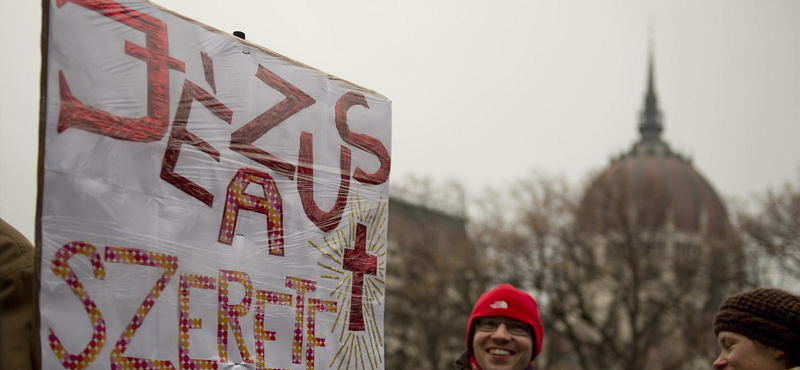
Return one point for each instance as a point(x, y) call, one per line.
point(759, 329)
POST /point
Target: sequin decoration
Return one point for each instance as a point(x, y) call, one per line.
point(314, 306)
point(301, 286)
point(131, 256)
point(262, 299)
point(60, 267)
point(359, 258)
point(186, 322)
point(270, 205)
point(230, 313)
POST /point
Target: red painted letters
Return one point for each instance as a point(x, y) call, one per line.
point(361, 141)
point(325, 221)
point(146, 129)
point(181, 135)
point(243, 138)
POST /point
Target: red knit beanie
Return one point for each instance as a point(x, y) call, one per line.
point(507, 301)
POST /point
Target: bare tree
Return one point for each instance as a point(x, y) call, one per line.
point(448, 197)
point(774, 229)
point(432, 282)
point(618, 290)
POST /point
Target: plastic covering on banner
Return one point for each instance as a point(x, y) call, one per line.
point(205, 203)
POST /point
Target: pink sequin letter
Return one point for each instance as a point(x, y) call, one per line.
point(229, 313)
point(301, 286)
point(129, 256)
point(262, 298)
point(60, 267)
point(315, 305)
point(269, 205)
point(186, 322)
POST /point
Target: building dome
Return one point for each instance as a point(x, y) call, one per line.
point(652, 188)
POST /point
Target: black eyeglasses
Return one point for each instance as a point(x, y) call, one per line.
point(513, 327)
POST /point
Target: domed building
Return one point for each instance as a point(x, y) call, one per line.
point(655, 255)
point(654, 186)
point(655, 195)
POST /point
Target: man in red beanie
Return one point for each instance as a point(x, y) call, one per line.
point(504, 332)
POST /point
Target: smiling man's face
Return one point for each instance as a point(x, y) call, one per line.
point(501, 350)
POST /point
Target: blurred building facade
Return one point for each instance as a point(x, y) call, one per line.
point(430, 287)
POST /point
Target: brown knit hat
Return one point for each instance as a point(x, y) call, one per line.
point(770, 316)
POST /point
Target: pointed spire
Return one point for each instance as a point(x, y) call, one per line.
point(650, 126)
point(650, 120)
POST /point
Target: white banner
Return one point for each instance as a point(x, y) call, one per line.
point(205, 203)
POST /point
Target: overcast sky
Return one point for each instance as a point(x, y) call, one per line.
point(484, 92)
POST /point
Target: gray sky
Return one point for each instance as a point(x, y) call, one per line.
point(484, 92)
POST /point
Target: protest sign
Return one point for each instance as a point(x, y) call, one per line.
point(204, 202)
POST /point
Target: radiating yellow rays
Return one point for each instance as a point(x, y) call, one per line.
point(352, 354)
point(360, 349)
point(326, 253)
